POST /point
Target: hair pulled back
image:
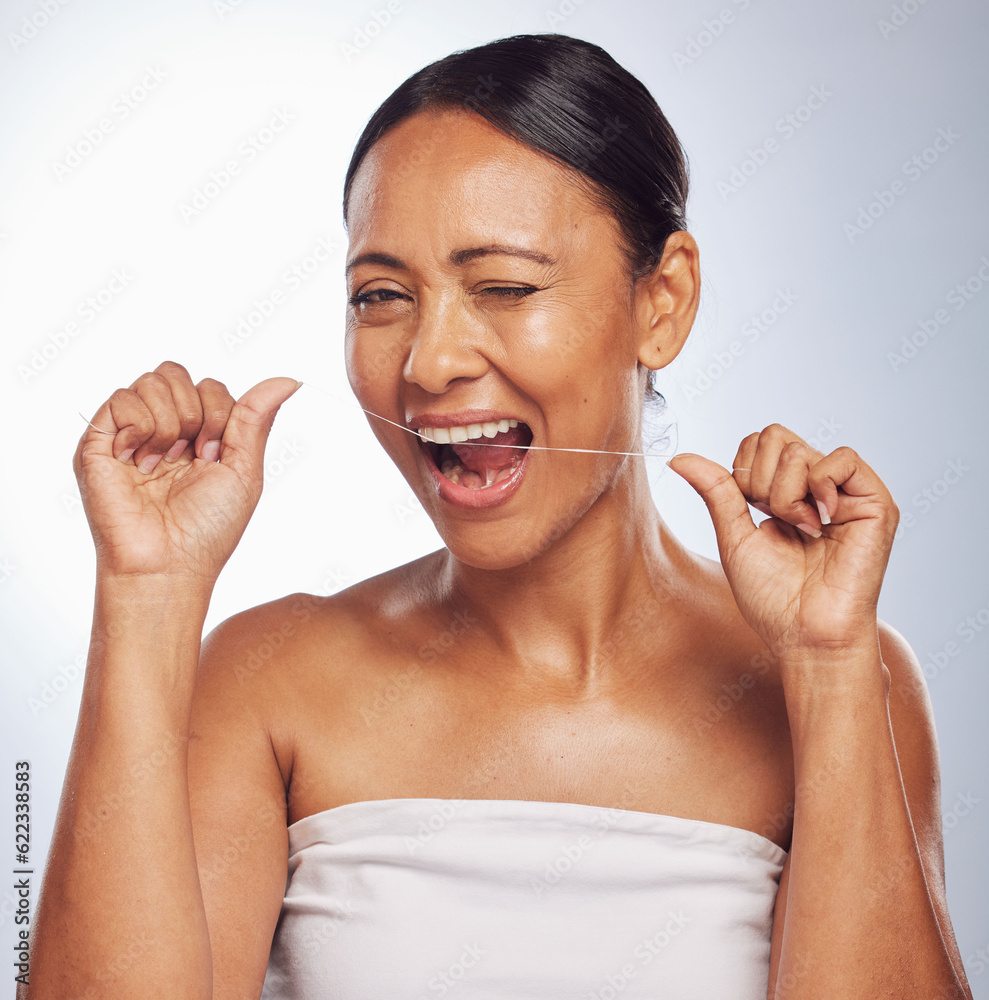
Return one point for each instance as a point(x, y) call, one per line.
point(568, 99)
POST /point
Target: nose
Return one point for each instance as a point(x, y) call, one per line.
point(447, 345)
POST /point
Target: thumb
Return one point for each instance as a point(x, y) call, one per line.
point(249, 423)
point(727, 506)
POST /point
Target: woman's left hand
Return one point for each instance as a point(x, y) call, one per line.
point(802, 594)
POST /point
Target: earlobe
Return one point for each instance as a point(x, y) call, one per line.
point(667, 299)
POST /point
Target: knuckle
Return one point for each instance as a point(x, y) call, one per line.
point(172, 366)
point(211, 384)
point(190, 416)
point(144, 421)
point(775, 430)
point(153, 380)
point(216, 415)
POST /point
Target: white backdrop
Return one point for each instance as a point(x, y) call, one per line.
point(170, 189)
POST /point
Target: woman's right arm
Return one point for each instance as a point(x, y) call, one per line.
point(122, 909)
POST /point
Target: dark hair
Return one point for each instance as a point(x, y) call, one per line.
point(568, 99)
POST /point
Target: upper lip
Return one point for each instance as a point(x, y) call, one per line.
point(462, 418)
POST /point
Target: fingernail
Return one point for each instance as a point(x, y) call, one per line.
point(124, 456)
point(764, 507)
point(211, 451)
point(149, 462)
point(809, 529)
point(825, 516)
point(176, 450)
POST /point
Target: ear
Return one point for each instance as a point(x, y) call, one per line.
point(666, 301)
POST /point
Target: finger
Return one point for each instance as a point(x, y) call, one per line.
point(129, 421)
point(188, 407)
point(765, 458)
point(727, 506)
point(791, 486)
point(742, 466)
point(216, 403)
point(249, 425)
point(850, 489)
point(156, 394)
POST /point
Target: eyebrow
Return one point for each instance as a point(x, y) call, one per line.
point(457, 257)
point(460, 257)
point(384, 259)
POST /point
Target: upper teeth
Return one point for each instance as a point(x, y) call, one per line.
point(453, 435)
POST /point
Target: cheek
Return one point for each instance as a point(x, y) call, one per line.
point(374, 363)
point(577, 347)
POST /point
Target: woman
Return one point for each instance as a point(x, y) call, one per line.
point(561, 756)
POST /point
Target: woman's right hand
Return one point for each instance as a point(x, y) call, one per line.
point(183, 517)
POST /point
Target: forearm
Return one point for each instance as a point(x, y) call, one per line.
point(121, 911)
point(859, 918)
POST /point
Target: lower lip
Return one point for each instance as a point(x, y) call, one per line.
point(489, 496)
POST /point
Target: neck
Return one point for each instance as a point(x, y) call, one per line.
point(586, 596)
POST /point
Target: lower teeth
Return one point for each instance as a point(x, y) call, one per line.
point(455, 472)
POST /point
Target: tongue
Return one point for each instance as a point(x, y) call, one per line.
point(494, 453)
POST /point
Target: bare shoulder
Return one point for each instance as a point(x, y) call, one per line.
point(302, 631)
point(911, 717)
point(273, 681)
point(287, 660)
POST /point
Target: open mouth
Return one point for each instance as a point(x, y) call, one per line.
point(478, 456)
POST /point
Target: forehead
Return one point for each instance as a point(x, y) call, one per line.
point(443, 178)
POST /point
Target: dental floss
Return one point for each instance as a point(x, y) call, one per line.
point(473, 441)
point(488, 444)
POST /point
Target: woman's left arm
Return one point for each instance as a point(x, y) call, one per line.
point(861, 909)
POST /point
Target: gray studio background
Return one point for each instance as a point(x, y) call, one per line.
point(838, 157)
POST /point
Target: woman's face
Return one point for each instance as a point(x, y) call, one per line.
point(486, 285)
